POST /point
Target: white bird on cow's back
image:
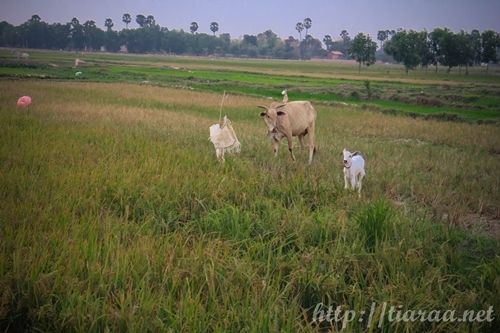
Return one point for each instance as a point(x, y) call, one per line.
point(296, 118)
point(78, 62)
point(285, 96)
point(354, 170)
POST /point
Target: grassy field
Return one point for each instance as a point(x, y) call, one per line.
point(116, 216)
point(422, 93)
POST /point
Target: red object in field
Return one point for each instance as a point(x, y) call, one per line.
point(24, 101)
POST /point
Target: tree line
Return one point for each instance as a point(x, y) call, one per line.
point(150, 37)
point(411, 48)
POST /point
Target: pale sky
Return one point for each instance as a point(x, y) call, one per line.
point(239, 17)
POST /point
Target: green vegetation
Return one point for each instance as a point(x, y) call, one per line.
point(383, 87)
point(116, 216)
point(441, 46)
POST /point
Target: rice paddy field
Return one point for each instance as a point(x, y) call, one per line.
point(116, 216)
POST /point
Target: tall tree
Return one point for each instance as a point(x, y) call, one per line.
point(490, 41)
point(108, 23)
point(76, 34)
point(466, 50)
point(382, 36)
point(214, 27)
point(126, 18)
point(150, 21)
point(424, 48)
point(345, 36)
point(475, 36)
point(436, 38)
point(58, 36)
point(91, 35)
point(328, 42)
point(140, 20)
point(363, 50)
point(299, 27)
point(35, 31)
point(448, 48)
point(406, 47)
point(35, 19)
point(193, 27)
point(311, 47)
point(307, 24)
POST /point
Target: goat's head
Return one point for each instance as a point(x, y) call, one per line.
point(348, 157)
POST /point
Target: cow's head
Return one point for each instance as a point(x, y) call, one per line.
point(270, 117)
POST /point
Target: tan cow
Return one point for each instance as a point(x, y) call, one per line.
point(288, 120)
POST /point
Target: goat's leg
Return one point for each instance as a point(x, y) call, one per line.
point(360, 180)
point(353, 182)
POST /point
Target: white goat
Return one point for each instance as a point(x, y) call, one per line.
point(354, 170)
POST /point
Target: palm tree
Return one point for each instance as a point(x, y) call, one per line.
point(89, 28)
point(74, 22)
point(141, 20)
point(382, 36)
point(307, 24)
point(35, 19)
point(193, 27)
point(108, 23)
point(328, 42)
point(150, 21)
point(345, 36)
point(126, 19)
point(214, 27)
point(299, 27)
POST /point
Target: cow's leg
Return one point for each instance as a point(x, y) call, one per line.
point(301, 140)
point(276, 146)
point(290, 146)
point(312, 148)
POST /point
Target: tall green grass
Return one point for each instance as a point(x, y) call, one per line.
point(115, 216)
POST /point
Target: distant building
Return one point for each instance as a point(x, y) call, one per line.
point(333, 55)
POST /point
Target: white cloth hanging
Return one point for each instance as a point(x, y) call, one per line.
point(224, 139)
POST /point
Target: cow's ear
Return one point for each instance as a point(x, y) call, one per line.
point(281, 113)
point(356, 153)
point(262, 114)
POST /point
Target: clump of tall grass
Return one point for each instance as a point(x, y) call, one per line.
point(374, 223)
